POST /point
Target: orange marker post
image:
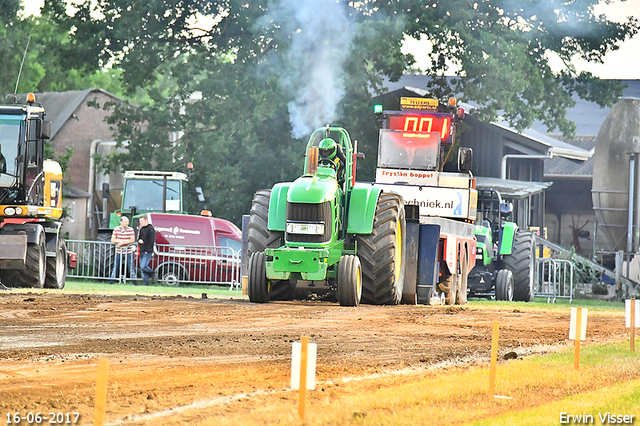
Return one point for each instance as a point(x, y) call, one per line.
point(101, 392)
point(302, 392)
point(632, 317)
point(494, 358)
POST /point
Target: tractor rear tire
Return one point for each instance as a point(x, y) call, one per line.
point(382, 253)
point(504, 285)
point(258, 287)
point(104, 256)
point(260, 238)
point(349, 281)
point(35, 271)
point(57, 267)
point(522, 263)
point(461, 294)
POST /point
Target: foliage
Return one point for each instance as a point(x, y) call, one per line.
point(42, 43)
point(583, 272)
point(269, 71)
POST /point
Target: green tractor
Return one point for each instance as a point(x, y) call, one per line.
point(326, 235)
point(505, 255)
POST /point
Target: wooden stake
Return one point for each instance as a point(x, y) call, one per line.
point(576, 358)
point(302, 392)
point(101, 391)
point(494, 358)
point(633, 325)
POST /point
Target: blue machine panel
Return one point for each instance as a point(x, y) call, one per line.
point(428, 262)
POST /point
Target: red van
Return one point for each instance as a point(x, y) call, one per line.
point(196, 249)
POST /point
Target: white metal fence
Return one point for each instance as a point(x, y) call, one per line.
point(174, 264)
point(555, 279)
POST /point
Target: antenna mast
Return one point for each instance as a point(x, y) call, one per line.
point(15, 92)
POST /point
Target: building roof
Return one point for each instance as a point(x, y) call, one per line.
point(588, 116)
point(571, 158)
point(60, 106)
point(555, 147)
point(574, 169)
point(511, 189)
point(73, 192)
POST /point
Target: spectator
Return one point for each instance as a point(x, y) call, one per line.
point(123, 237)
point(146, 240)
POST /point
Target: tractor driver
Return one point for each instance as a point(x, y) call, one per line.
point(329, 149)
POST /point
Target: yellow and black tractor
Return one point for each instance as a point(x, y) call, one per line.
point(32, 250)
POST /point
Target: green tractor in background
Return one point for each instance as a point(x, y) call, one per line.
point(143, 192)
point(325, 234)
point(505, 255)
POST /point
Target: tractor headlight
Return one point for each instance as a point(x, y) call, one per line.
point(305, 228)
point(9, 211)
point(18, 210)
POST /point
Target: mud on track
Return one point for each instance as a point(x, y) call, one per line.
point(172, 358)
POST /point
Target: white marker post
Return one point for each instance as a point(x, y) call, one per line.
point(632, 310)
point(303, 370)
point(578, 331)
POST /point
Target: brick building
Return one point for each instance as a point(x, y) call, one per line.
point(77, 125)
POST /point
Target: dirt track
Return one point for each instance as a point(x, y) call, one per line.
point(214, 356)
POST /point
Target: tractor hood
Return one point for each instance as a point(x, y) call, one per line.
point(312, 189)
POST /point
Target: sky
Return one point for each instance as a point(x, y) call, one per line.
point(622, 64)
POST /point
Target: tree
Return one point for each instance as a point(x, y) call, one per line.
point(502, 49)
point(267, 72)
point(32, 48)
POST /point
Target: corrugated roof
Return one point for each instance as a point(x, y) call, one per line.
point(556, 147)
point(569, 168)
point(511, 189)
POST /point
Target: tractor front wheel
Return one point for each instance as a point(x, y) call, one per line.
point(258, 287)
point(504, 285)
point(349, 281)
point(35, 271)
point(260, 238)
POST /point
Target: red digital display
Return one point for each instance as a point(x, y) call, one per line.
point(421, 123)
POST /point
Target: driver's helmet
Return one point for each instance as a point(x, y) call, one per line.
point(328, 148)
point(506, 209)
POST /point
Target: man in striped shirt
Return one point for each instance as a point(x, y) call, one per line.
point(123, 237)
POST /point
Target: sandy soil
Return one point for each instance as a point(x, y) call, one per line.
point(172, 359)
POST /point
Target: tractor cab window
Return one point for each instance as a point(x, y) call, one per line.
point(9, 137)
point(409, 150)
point(146, 195)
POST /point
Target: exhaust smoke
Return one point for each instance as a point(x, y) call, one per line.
point(320, 34)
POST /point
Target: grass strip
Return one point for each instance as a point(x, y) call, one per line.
point(533, 391)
